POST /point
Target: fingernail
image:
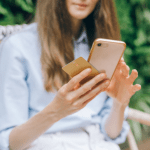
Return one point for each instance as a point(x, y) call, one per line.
point(89, 69)
point(107, 83)
point(102, 75)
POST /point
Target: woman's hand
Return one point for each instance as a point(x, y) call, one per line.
point(121, 86)
point(70, 98)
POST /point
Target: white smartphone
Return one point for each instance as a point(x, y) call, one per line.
point(105, 55)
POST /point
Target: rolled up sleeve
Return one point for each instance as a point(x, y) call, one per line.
point(104, 115)
point(13, 90)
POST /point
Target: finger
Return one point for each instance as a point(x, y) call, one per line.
point(117, 71)
point(95, 86)
point(88, 85)
point(87, 101)
point(99, 88)
point(136, 87)
point(133, 76)
point(121, 59)
point(119, 66)
point(120, 62)
point(125, 69)
point(77, 86)
point(76, 79)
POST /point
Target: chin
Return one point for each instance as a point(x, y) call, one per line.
point(80, 16)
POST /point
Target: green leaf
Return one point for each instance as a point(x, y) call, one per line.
point(25, 6)
point(137, 1)
point(147, 15)
point(3, 10)
point(128, 51)
point(143, 50)
point(8, 20)
point(141, 38)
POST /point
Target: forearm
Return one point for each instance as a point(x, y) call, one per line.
point(22, 136)
point(115, 119)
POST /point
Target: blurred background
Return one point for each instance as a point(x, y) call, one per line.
point(134, 19)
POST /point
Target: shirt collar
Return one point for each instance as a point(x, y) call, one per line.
point(83, 37)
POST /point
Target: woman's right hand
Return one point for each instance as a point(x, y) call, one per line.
point(68, 100)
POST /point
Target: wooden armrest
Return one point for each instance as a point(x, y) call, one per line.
point(139, 116)
point(131, 141)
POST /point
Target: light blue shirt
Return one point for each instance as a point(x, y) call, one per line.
point(22, 94)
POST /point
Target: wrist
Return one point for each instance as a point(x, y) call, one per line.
point(118, 106)
point(51, 115)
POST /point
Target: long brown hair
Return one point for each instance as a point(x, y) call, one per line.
point(56, 36)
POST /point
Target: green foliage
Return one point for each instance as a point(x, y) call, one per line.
point(134, 19)
point(16, 11)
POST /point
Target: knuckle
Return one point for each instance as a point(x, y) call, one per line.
point(84, 74)
point(97, 79)
point(69, 99)
point(62, 91)
point(75, 96)
point(133, 92)
point(101, 87)
point(122, 59)
point(76, 105)
point(128, 69)
point(85, 88)
point(74, 81)
point(136, 73)
point(123, 63)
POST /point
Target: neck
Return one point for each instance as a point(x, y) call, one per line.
point(77, 28)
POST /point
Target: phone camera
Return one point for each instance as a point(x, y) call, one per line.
point(99, 44)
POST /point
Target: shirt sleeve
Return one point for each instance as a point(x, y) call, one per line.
point(13, 89)
point(104, 115)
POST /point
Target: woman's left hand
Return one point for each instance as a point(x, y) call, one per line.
point(121, 86)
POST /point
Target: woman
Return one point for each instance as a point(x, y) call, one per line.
point(41, 107)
